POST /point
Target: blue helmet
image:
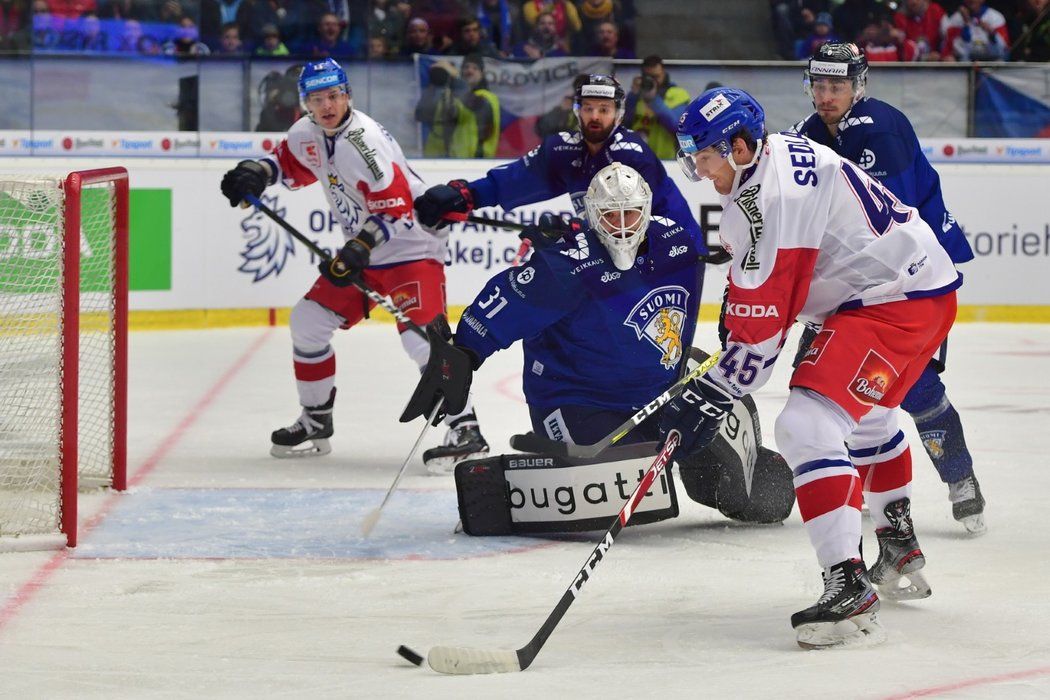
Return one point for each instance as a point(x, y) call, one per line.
point(712, 119)
point(321, 75)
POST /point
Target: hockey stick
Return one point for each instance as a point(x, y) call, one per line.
point(561, 449)
point(373, 517)
point(356, 280)
point(467, 660)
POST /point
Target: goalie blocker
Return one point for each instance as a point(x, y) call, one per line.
point(536, 492)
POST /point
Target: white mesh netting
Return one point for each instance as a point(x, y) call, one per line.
point(33, 382)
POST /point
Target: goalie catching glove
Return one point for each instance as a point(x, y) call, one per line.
point(354, 257)
point(447, 375)
point(696, 413)
point(249, 177)
point(442, 205)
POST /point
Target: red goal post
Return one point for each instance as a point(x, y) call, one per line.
point(63, 349)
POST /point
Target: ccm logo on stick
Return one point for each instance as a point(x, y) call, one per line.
point(752, 310)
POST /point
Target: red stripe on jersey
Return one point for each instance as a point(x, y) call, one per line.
point(892, 474)
point(755, 315)
point(395, 200)
point(293, 173)
point(825, 495)
point(315, 371)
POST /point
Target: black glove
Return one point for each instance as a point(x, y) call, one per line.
point(550, 229)
point(697, 414)
point(353, 258)
point(249, 177)
point(448, 374)
point(442, 204)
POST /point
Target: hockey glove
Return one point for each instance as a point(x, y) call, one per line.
point(550, 229)
point(443, 204)
point(355, 255)
point(448, 374)
point(249, 177)
point(697, 414)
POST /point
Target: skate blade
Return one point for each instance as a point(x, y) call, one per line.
point(909, 586)
point(975, 524)
point(317, 448)
point(439, 466)
point(858, 631)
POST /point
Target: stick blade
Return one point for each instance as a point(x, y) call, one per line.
point(369, 522)
point(463, 661)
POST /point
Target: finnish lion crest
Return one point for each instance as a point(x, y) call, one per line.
point(660, 319)
point(267, 246)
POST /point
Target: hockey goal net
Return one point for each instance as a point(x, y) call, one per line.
point(63, 349)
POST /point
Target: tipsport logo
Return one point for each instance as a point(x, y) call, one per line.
point(267, 246)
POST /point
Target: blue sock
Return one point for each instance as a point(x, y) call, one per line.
point(941, 432)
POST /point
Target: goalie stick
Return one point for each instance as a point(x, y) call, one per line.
point(372, 294)
point(561, 449)
point(469, 660)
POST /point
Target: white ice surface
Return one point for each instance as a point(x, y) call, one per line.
point(227, 573)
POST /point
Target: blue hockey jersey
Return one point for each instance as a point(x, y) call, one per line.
point(881, 140)
point(594, 335)
point(562, 164)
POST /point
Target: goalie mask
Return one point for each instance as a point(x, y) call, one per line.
point(619, 203)
point(840, 61)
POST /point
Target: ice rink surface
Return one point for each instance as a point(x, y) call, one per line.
point(224, 573)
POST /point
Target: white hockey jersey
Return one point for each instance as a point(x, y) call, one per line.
point(811, 234)
point(363, 171)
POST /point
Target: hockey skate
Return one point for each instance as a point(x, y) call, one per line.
point(896, 574)
point(968, 504)
point(462, 441)
point(845, 615)
point(314, 426)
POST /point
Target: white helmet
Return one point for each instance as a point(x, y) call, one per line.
point(619, 203)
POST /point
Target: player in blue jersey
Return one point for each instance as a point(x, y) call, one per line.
point(881, 140)
point(606, 316)
point(566, 163)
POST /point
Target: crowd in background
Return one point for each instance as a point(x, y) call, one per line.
point(916, 30)
point(342, 29)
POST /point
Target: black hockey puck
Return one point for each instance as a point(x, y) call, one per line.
point(410, 655)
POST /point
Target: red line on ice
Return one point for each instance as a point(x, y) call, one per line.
point(42, 575)
point(971, 683)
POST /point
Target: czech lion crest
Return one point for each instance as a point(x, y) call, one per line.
point(268, 246)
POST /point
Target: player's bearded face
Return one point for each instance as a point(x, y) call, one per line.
point(832, 98)
point(328, 107)
point(597, 119)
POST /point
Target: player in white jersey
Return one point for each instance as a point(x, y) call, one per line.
point(370, 189)
point(814, 238)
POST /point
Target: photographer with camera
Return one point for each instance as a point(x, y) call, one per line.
point(279, 94)
point(654, 106)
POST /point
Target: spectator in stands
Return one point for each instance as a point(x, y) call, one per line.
point(881, 41)
point(567, 24)
point(387, 19)
point(793, 21)
point(543, 41)
point(653, 107)
point(822, 34)
point(921, 22)
point(378, 49)
point(499, 23)
point(442, 17)
point(606, 42)
point(172, 12)
point(270, 43)
point(328, 43)
point(279, 93)
point(187, 40)
point(14, 26)
point(592, 13)
point(852, 16)
point(230, 43)
point(561, 117)
point(91, 37)
point(976, 32)
point(418, 38)
point(1033, 43)
point(470, 40)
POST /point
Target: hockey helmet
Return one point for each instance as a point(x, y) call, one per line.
point(322, 75)
point(598, 86)
point(838, 60)
point(619, 205)
point(712, 120)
